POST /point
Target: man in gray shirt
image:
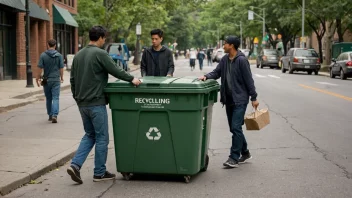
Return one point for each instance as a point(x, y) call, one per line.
point(52, 63)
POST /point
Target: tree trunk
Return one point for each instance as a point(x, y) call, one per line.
point(320, 48)
point(339, 29)
point(331, 27)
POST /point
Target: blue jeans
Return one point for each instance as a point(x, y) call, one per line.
point(200, 64)
point(235, 116)
point(52, 94)
point(95, 123)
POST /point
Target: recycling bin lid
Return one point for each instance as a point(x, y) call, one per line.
point(154, 84)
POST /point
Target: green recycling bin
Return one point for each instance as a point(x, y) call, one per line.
point(162, 126)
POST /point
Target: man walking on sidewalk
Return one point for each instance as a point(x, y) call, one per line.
point(157, 60)
point(237, 85)
point(89, 75)
point(52, 63)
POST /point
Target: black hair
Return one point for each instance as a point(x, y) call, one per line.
point(51, 42)
point(96, 32)
point(158, 32)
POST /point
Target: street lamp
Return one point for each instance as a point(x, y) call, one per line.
point(240, 31)
point(137, 51)
point(28, 60)
point(250, 17)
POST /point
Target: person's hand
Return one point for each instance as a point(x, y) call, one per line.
point(38, 82)
point(255, 104)
point(203, 78)
point(169, 75)
point(136, 81)
point(62, 80)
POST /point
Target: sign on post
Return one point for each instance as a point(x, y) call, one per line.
point(250, 15)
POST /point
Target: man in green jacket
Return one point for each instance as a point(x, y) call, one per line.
point(89, 75)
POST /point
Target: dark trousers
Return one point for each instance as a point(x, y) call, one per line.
point(235, 117)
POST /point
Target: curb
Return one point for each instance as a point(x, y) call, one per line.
point(27, 95)
point(58, 161)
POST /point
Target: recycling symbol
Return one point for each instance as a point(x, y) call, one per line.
point(153, 134)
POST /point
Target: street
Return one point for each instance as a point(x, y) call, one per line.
point(305, 151)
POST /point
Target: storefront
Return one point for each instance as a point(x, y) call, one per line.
point(64, 31)
point(8, 40)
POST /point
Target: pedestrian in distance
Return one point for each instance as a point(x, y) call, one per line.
point(192, 58)
point(51, 61)
point(210, 62)
point(89, 75)
point(157, 60)
point(237, 85)
point(201, 57)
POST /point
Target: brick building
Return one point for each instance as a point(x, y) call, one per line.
point(48, 19)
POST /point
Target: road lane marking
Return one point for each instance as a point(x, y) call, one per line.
point(326, 83)
point(260, 76)
point(273, 76)
point(327, 92)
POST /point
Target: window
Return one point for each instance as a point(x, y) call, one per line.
point(270, 52)
point(306, 53)
point(290, 53)
point(351, 56)
point(64, 36)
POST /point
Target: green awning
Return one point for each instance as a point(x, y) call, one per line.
point(63, 16)
point(17, 4)
point(36, 12)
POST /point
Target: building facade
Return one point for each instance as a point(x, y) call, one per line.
point(49, 19)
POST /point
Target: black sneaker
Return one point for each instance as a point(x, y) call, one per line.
point(106, 176)
point(75, 175)
point(243, 159)
point(231, 163)
point(54, 120)
point(50, 119)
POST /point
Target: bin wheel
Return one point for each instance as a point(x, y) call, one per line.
point(205, 168)
point(187, 179)
point(127, 176)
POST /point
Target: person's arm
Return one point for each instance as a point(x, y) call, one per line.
point(72, 79)
point(40, 70)
point(248, 79)
point(216, 73)
point(61, 69)
point(171, 65)
point(110, 66)
point(144, 63)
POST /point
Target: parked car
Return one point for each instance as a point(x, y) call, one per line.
point(300, 59)
point(217, 56)
point(268, 58)
point(119, 53)
point(342, 66)
point(245, 52)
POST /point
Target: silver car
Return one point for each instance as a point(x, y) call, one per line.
point(300, 59)
point(342, 66)
point(268, 58)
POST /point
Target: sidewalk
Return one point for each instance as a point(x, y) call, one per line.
point(14, 94)
point(29, 145)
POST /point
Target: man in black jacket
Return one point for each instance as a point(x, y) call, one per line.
point(236, 86)
point(157, 60)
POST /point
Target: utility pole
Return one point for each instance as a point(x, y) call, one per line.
point(263, 23)
point(28, 60)
point(303, 10)
point(241, 33)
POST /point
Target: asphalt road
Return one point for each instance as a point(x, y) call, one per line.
point(306, 151)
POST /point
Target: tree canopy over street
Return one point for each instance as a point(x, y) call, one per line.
point(200, 23)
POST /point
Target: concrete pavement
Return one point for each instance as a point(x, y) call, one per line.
point(304, 152)
point(14, 93)
point(30, 146)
